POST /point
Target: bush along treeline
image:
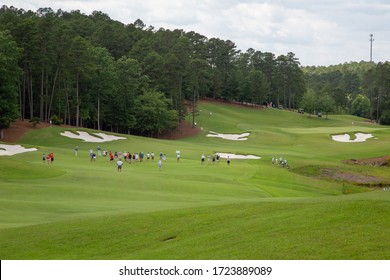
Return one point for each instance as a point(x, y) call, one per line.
point(95, 72)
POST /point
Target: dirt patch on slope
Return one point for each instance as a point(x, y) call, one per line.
point(233, 103)
point(18, 129)
point(354, 178)
point(378, 161)
point(182, 131)
point(337, 174)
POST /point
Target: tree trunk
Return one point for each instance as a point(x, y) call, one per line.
point(77, 100)
point(193, 109)
point(46, 98)
point(20, 100)
point(377, 105)
point(98, 112)
point(24, 98)
point(41, 117)
point(31, 96)
point(66, 103)
point(52, 95)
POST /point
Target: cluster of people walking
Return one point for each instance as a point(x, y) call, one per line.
point(279, 162)
point(213, 159)
point(129, 157)
point(121, 157)
point(126, 156)
point(49, 158)
point(134, 157)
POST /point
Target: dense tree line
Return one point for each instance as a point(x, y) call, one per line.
point(9, 71)
point(360, 88)
point(92, 71)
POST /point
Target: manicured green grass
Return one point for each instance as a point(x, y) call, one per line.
point(78, 209)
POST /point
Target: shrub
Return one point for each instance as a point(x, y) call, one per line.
point(385, 118)
point(361, 106)
point(56, 120)
point(35, 121)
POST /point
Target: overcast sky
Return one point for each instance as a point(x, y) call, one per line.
point(323, 32)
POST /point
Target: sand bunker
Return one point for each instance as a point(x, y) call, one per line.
point(86, 137)
point(10, 150)
point(360, 137)
point(234, 137)
point(234, 156)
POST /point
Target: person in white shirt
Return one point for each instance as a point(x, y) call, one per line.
point(119, 163)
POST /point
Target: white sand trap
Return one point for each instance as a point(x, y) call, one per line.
point(86, 137)
point(234, 156)
point(10, 150)
point(234, 137)
point(360, 137)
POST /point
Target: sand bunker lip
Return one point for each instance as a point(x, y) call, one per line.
point(234, 156)
point(360, 137)
point(10, 150)
point(234, 137)
point(86, 137)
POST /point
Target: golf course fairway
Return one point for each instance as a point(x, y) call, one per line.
point(317, 207)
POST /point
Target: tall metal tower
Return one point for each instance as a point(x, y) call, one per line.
point(371, 40)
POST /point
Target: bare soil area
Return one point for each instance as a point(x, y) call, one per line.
point(354, 178)
point(182, 131)
point(378, 161)
point(18, 129)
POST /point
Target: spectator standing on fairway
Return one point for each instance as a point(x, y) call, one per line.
point(202, 160)
point(76, 151)
point(48, 159)
point(228, 160)
point(178, 156)
point(160, 164)
point(99, 151)
point(119, 163)
point(43, 157)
